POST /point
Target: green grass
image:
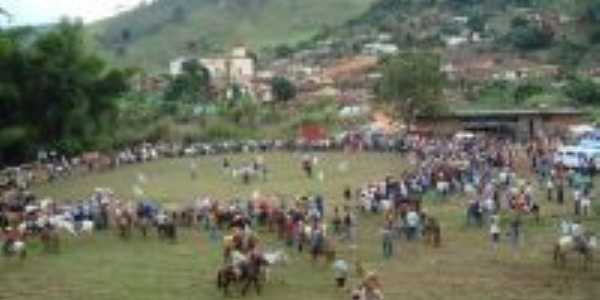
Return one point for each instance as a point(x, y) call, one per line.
point(105, 267)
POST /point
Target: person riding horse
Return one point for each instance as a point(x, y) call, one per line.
point(166, 227)
point(124, 221)
point(243, 269)
point(146, 211)
point(12, 237)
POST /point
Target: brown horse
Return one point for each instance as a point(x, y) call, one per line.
point(249, 273)
point(143, 224)
point(124, 224)
point(50, 240)
point(432, 232)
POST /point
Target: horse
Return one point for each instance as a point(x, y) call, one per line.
point(60, 222)
point(584, 245)
point(247, 173)
point(432, 232)
point(166, 227)
point(14, 248)
point(249, 273)
point(85, 227)
point(50, 240)
point(124, 223)
point(275, 259)
point(143, 224)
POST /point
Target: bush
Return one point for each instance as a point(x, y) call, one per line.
point(69, 146)
point(497, 94)
point(547, 100)
point(526, 91)
point(530, 37)
point(584, 91)
point(225, 131)
point(594, 37)
point(568, 53)
point(527, 36)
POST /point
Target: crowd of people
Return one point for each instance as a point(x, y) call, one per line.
point(52, 165)
point(498, 178)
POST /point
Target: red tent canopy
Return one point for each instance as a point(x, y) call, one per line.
point(312, 132)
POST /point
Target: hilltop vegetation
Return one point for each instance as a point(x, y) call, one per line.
point(152, 34)
point(54, 92)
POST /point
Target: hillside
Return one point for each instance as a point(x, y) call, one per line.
point(152, 34)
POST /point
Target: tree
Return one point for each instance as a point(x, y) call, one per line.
point(283, 89)
point(568, 54)
point(193, 85)
point(476, 22)
point(527, 36)
point(589, 10)
point(283, 51)
point(412, 83)
point(126, 35)
point(54, 92)
point(179, 14)
point(526, 91)
point(584, 91)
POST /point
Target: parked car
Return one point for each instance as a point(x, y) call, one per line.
point(574, 157)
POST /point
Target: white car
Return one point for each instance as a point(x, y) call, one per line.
point(574, 156)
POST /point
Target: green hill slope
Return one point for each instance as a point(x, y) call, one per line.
point(152, 34)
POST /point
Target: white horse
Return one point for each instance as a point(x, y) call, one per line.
point(585, 246)
point(63, 223)
point(17, 248)
point(86, 228)
point(275, 260)
point(443, 187)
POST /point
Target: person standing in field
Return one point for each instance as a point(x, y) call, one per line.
point(193, 173)
point(560, 192)
point(412, 224)
point(225, 163)
point(515, 230)
point(586, 204)
point(495, 231)
point(347, 194)
point(341, 270)
point(549, 189)
point(387, 241)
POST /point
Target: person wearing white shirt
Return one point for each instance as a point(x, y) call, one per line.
point(586, 203)
point(412, 223)
point(577, 195)
point(550, 189)
point(495, 231)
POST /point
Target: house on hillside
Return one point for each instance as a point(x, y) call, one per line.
point(238, 67)
point(385, 37)
point(489, 67)
point(379, 49)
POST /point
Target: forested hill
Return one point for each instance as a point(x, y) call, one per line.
point(152, 34)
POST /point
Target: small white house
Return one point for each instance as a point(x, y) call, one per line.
point(384, 37)
point(460, 20)
point(377, 49)
point(175, 66)
point(454, 41)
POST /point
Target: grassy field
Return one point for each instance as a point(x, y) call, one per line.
point(107, 268)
